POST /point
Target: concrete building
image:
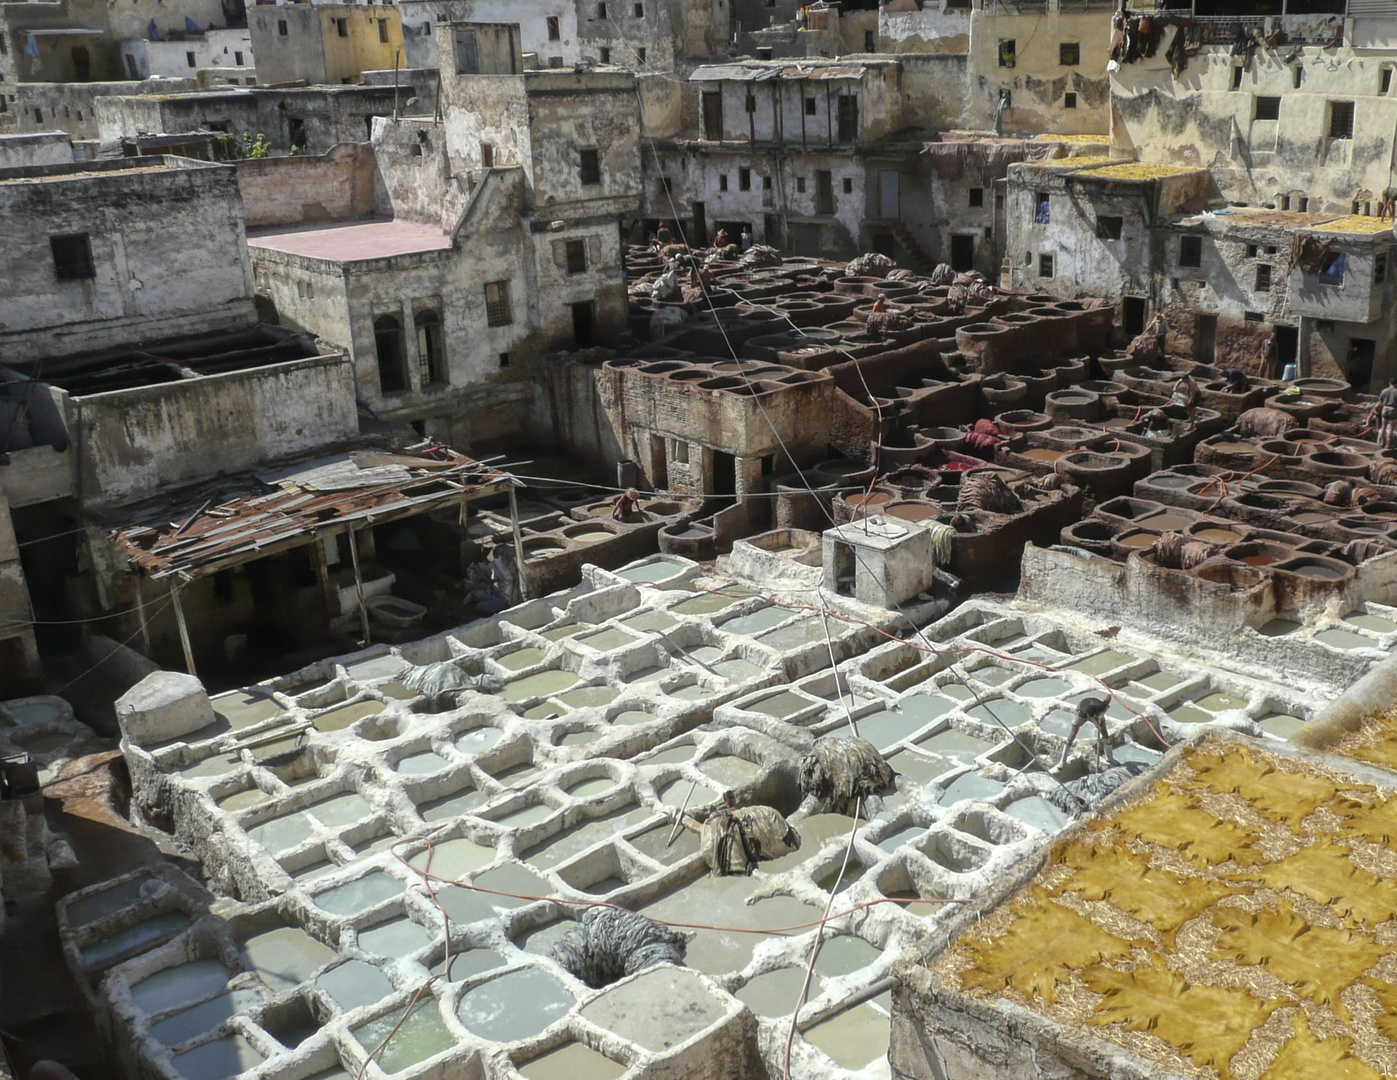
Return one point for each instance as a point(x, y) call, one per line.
point(227, 54)
point(548, 30)
point(39, 148)
point(320, 44)
point(1290, 111)
point(313, 119)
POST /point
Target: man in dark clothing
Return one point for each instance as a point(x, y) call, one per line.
point(1387, 406)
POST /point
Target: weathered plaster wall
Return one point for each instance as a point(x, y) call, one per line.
point(40, 148)
point(308, 188)
point(325, 43)
point(1198, 119)
point(167, 248)
point(933, 29)
point(227, 51)
point(136, 442)
point(421, 18)
point(72, 107)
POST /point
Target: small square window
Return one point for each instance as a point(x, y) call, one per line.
point(601, 11)
point(1008, 52)
point(1251, 251)
point(554, 33)
point(1045, 266)
point(679, 451)
point(640, 54)
point(504, 359)
point(848, 186)
point(1109, 228)
point(72, 257)
point(1042, 209)
point(605, 56)
point(764, 54)
point(640, 11)
point(591, 167)
point(1069, 100)
point(238, 59)
point(722, 181)
point(577, 256)
point(744, 179)
point(766, 183)
point(1191, 251)
point(1334, 268)
point(977, 197)
point(800, 185)
point(666, 185)
point(809, 106)
point(1268, 108)
point(189, 59)
point(281, 30)
point(1263, 278)
point(1251, 316)
point(1069, 53)
point(383, 31)
point(342, 27)
point(497, 309)
point(1236, 77)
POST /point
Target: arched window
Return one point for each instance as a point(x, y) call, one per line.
point(431, 348)
point(388, 342)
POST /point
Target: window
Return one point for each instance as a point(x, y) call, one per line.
point(605, 56)
point(1268, 108)
point(1302, 204)
point(766, 183)
point(601, 11)
point(640, 11)
point(848, 118)
point(497, 311)
point(666, 185)
point(1045, 266)
point(1335, 265)
point(388, 343)
point(577, 256)
point(555, 61)
point(295, 131)
point(1263, 278)
point(800, 185)
point(824, 192)
point(1379, 268)
point(764, 54)
point(809, 106)
point(1324, 326)
point(1042, 212)
point(1385, 79)
point(189, 59)
point(1251, 316)
point(1109, 228)
point(72, 257)
point(426, 29)
point(1236, 77)
point(722, 181)
point(713, 116)
point(591, 167)
point(1283, 203)
point(870, 41)
point(1251, 251)
point(1341, 119)
point(504, 359)
point(1008, 52)
point(1191, 251)
point(751, 103)
point(640, 54)
point(281, 30)
point(1069, 53)
point(431, 348)
point(238, 59)
point(744, 179)
point(383, 31)
point(977, 197)
point(679, 451)
point(848, 185)
point(1069, 100)
point(487, 155)
point(467, 53)
point(342, 27)
point(554, 34)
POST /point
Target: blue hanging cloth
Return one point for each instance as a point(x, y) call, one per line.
point(191, 25)
point(31, 47)
point(154, 31)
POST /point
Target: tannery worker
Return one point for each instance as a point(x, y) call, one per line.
point(626, 503)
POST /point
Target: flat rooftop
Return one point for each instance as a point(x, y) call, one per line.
point(356, 241)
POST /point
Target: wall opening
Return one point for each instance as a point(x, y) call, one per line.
point(1133, 315)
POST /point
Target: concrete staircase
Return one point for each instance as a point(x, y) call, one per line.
point(915, 257)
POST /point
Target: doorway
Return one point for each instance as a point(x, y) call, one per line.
point(700, 236)
point(1287, 345)
point(962, 253)
point(889, 194)
point(1359, 368)
point(659, 463)
point(1133, 316)
point(1205, 338)
point(724, 475)
point(583, 320)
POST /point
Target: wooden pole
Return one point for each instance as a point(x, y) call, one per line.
point(359, 588)
point(141, 611)
point(518, 544)
point(183, 630)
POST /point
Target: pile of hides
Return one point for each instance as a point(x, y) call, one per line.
point(1177, 552)
point(1309, 252)
point(1383, 471)
point(870, 264)
point(983, 435)
point(1085, 793)
point(883, 324)
point(734, 840)
point(840, 772)
point(608, 944)
point(1265, 422)
point(987, 491)
point(440, 683)
point(759, 255)
point(943, 274)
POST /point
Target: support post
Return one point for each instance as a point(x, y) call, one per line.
point(359, 587)
point(141, 612)
point(183, 630)
point(518, 544)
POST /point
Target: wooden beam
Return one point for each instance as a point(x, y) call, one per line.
point(183, 629)
point(518, 545)
point(359, 588)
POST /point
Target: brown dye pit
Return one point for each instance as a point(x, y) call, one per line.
point(1166, 523)
point(1232, 891)
point(1258, 560)
point(1138, 540)
point(1039, 454)
point(1218, 536)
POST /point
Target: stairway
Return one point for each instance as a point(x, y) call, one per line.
point(917, 258)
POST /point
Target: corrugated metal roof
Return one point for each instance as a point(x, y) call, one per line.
point(731, 73)
point(825, 71)
point(762, 73)
point(210, 527)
